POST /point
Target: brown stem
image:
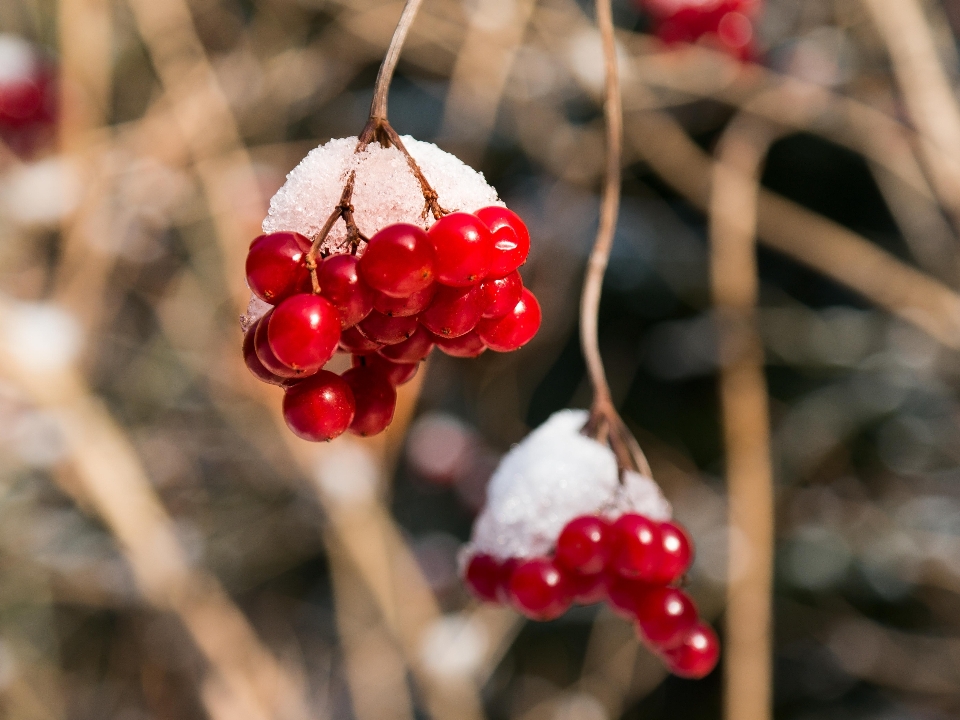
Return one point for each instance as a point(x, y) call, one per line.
point(604, 421)
point(344, 209)
point(378, 108)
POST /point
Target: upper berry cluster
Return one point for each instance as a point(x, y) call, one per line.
point(727, 24)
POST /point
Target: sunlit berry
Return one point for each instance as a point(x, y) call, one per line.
point(498, 296)
point(340, 283)
point(636, 547)
point(318, 408)
point(353, 341)
point(664, 614)
point(387, 330)
point(463, 247)
point(405, 306)
point(539, 590)
point(397, 373)
point(453, 312)
point(375, 398)
point(465, 346)
point(515, 329)
point(413, 349)
point(583, 545)
point(676, 555)
point(253, 362)
point(511, 239)
point(261, 345)
point(398, 260)
point(695, 654)
point(482, 576)
point(276, 266)
point(303, 331)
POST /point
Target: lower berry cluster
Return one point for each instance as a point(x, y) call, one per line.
point(633, 563)
point(387, 301)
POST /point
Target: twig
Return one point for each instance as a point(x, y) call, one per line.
point(605, 423)
point(378, 107)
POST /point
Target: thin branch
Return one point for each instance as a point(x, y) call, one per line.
point(378, 108)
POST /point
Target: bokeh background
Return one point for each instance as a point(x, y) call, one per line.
point(168, 551)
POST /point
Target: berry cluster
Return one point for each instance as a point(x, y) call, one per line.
point(633, 563)
point(728, 24)
point(27, 95)
point(455, 286)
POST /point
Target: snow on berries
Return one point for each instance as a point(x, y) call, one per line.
point(383, 252)
point(728, 24)
point(564, 524)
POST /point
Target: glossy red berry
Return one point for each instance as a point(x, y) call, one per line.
point(340, 283)
point(303, 331)
point(319, 408)
point(253, 363)
point(405, 306)
point(261, 345)
point(498, 296)
point(465, 346)
point(624, 594)
point(276, 266)
point(398, 260)
point(636, 547)
point(463, 247)
point(387, 330)
point(587, 589)
point(664, 614)
point(453, 312)
point(515, 329)
point(506, 575)
point(375, 398)
point(676, 556)
point(396, 373)
point(413, 349)
point(539, 590)
point(696, 653)
point(511, 239)
point(584, 545)
point(353, 341)
point(482, 576)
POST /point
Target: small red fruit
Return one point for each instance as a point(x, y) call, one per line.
point(303, 331)
point(498, 296)
point(676, 556)
point(463, 247)
point(465, 346)
point(319, 408)
point(636, 547)
point(405, 306)
point(253, 363)
point(387, 330)
point(583, 545)
point(696, 653)
point(587, 589)
point(276, 266)
point(511, 239)
point(482, 576)
point(398, 261)
point(515, 329)
point(539, 589)
point(453, 312)
point(624, 594)
point(375, 398)
point(664, 614)
point(261, 346)
point(340, 283)
point(413, 349)
point(396, 373)
point(352, 341)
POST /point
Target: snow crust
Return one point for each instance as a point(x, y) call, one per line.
point(386, 191)
point(554, 475)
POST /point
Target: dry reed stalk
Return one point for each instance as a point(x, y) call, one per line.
point(927, 91)
point(113, 483)
point(746, 419)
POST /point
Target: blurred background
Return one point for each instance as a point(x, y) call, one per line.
point(169, 551)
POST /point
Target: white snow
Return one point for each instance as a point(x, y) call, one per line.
point(554, 475)
point(386, 191)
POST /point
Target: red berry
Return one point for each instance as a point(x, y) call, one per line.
point(483, 577)
point(352, 341)
point(636, 547)
point(695, 654)
point(453, 312)
point(539, 590)
point(265, 354)
point(253, 363)
point(587, 589)
point(498, 296)
point(466, 346)
point(276, 266)
point(583, 545)
point(624, 594)
point(341, 285)
point(515, 329)
point(396, 373)
point(511, 239)
point(375, 399)
point(506, 575)
point(676, 556)
point(413, 349)
point(387, 330)
point(463, 247)
point(398, 260)
point(303, 331)
point(405, 306)
point(664, 614)
point(318, 408)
